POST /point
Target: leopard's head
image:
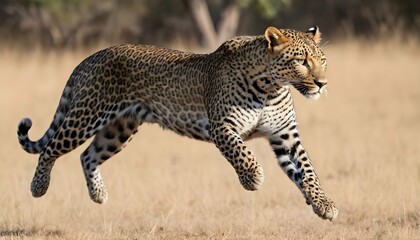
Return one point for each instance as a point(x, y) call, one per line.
point(297, 59)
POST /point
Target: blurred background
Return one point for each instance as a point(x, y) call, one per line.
point(70, 24)
point(363, 136)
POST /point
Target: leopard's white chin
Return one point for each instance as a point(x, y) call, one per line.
point(313, 96)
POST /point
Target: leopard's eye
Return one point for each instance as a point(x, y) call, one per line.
point(302, 61)
point(324, 61)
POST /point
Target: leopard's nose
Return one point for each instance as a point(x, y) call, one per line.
point(320, 84)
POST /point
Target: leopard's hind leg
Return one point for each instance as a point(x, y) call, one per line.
point(76, 128)
point(107, 142)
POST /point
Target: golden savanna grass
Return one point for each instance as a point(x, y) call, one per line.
point(363, 138)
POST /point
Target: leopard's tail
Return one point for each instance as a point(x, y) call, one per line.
point(26, 123)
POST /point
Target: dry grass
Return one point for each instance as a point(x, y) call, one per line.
point(363, 138)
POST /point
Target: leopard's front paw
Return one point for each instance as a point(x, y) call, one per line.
point(325, 208)
point(252, 179)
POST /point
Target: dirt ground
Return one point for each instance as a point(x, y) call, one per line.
point(363, 138)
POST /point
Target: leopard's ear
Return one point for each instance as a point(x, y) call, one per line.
point(275, 39)
point(314, 34)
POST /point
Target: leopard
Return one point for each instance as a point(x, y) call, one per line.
point(239, 91)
